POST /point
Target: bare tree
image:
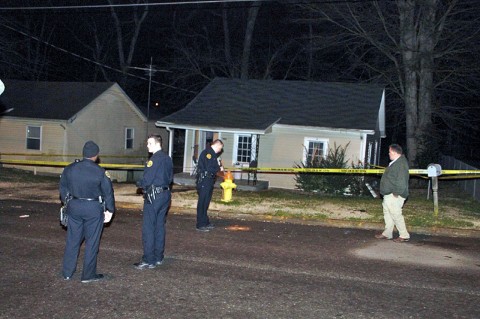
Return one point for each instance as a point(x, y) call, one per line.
point(247, 42)
point(127, 36)
point(24, 47)
point(111, 40)
point(399, 45)
point(225, 45)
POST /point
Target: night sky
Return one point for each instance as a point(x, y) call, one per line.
point(190, 43)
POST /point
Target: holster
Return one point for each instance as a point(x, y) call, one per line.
point(63, 211)
point(201, 176)
point(152, 191)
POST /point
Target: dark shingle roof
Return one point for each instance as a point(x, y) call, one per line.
point(257, 104)
point(49, 100)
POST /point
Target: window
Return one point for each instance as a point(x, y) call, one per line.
point(129, 138)
point(314, 150)
point(244, 148)
point(34, 134)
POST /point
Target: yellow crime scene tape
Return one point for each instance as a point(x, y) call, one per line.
point(457, 173)
point(63, 164)
point(68, 155)
point(445, 174)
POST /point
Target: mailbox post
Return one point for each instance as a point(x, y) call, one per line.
point(433, 171)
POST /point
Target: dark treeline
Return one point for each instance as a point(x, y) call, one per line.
point(424, 53)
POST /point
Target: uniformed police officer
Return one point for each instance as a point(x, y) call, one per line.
point(156, 183)
point(208, 167)
point(87, 189)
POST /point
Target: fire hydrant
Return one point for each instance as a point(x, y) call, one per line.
point(227, 186)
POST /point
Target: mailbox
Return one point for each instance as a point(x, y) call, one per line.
point(434, 170)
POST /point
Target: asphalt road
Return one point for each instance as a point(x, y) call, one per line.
point(242, 269)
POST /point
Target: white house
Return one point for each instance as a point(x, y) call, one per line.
point(282, 123)
point(50, 121)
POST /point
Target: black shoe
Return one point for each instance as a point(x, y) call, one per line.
point(203, 229)
point(210, 226)
point(95, 278)
point(144, 265)
point(67, 278)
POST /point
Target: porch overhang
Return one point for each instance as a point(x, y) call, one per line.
point(328, 129)
point(242, 130)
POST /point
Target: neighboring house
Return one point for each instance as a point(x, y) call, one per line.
point(282, 123)
point(51, 121)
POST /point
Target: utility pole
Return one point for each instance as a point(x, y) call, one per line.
point(150, 70)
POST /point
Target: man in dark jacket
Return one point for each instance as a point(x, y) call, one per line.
point(207, 169)
point(91, 202)
point(394, 188)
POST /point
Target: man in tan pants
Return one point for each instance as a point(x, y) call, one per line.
point(394, 188)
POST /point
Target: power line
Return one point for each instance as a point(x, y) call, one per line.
point(175, 3)
point(90, 60)
point(102, 6)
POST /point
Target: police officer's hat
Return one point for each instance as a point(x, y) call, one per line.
point(90, 149)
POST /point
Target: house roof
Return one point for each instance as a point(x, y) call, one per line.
point(256, 105)
point(48, 100)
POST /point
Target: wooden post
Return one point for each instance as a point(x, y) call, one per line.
point(435, 195)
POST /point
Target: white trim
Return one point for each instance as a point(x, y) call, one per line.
point(185, 152)
point(369, 154)
point(262, 132)
point(26, 137)
point(363, 148)
point(211, 128)
point(327, 129)
point(171, 138)
point(307, 140)
point(132, 138)
point(235, 148)
point(381, 117)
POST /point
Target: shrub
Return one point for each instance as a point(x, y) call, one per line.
point(331, 183)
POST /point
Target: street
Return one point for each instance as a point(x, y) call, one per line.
point(242, 269)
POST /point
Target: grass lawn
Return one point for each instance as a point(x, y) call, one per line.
point(456, 209)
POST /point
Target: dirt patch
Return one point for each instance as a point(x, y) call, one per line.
point(127, 195)
point(188, 199)
point(47, 191)
point(331, 211)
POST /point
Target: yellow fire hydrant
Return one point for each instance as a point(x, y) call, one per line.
point(227, 186)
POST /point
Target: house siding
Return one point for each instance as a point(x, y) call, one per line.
point(103, 120)
point(13, 132)
point(228, 158)
point(284, 148)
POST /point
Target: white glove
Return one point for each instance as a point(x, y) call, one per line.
point(108, 217)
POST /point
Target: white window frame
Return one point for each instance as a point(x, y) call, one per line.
point(235, 149)
point(306, 144)
point(27, 137)
point(127, 139)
